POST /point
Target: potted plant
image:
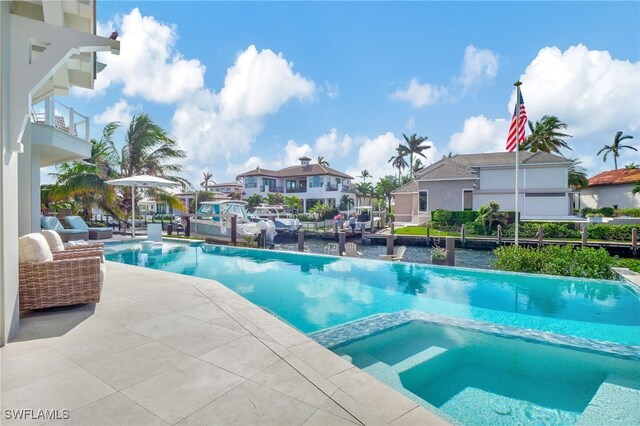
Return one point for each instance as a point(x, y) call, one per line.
point(438, 256)
point(594, 218)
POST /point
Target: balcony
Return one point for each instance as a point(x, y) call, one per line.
point(296, 190)
point(61, 133)
point(331, 188)
point(348, 188)
point(264, 188)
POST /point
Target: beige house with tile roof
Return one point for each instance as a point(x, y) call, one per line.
point(465, 182)
point(311, 182)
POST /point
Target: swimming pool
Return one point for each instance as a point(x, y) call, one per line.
point(359, 299)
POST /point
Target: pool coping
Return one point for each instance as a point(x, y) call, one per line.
point(343, 334)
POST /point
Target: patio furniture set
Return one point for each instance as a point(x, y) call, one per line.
point(79, 229)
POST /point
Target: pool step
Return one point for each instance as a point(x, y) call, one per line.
point(617, 402)
point(419, 358)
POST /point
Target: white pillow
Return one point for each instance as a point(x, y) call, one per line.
point(54, 240)
point(34, 248)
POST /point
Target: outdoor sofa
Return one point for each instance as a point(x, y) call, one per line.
point(76, 222)
point(53, 224)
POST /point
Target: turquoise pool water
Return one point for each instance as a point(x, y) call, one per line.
point(481, 379)
point(316, 292)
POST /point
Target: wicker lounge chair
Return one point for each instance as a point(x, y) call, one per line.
point(61, 279)
point(76, 222)
point(53, 224)
point(398, 254)
point(56, 245)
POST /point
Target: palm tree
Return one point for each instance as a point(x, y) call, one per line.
point(577, 175)
point(417, 166)
point(636, 188)
point(322, 161)
point(363, 190)
point(254, 201)
point(293, 203)
point(385, 187)
point(489, 214)
point(346, 202)
point(414, 146)
point(399, 162)
point(546, 136)
point(206, 178)
point(615, 147)
point(364, 175)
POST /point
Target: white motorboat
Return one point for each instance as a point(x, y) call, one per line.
point(284, 221)
point(213, 219)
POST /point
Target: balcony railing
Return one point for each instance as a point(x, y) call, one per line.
point(50, 112)
point(296, 190)
point(347, 188)
point(264, 188)
point(331, 187)
point(251, 185)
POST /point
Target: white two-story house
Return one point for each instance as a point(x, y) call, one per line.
point(465, 182)
point(312, 183)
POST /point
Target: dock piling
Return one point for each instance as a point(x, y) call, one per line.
point(301, 240)
point(463, 235)
point(539, 236)
point(342, 239)
point(389, 245)
point(428, 235)
point(263, 238)
point(634, 241)
point(234, 225)
point(499, 235)
point(585, 236)
point(450, 245)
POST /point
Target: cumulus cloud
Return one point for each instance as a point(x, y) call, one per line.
point(587, 89)
point(478, 65)
point(332, 90)
point(420, 94)
point(213, 126)
point(148, 66)
point(331, 146)
point(120, 111)
point(374, 154)
point(480, 134)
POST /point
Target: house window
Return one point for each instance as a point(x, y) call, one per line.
point(269, 182)
point(467, 199)
point(291, 185)
point(251, 182)
point(423, 197)
point(316, 182)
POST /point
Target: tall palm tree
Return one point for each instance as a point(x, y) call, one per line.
point(615, 147)
point(346, 202)
point(414, 146)
point(577, 175)
point(322, 161)
point(490, 213)
point(546, 136)
point(363, 190)
point(399, 162)
point(385, 187)
point(417, 166)
point(206, 178)
point(364, 175)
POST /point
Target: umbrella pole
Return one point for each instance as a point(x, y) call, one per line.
point(133, 211)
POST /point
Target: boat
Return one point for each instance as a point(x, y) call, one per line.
point(284, 221)
point(365, 218)
point(213, 219)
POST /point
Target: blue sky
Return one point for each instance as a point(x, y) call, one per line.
point(246, 84)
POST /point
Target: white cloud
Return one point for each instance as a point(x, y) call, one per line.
point(587, 89)
point(216, 127)
point(478, 65)
point(480, 134)
point(420, 95)
point(332, 90)
point(121, 111)
point(375, 153)
point(148, 66)
point(330, 146)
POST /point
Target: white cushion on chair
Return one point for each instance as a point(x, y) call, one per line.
point(54, 240)
point(34, 248)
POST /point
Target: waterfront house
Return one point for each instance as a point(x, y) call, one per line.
point(465, 182)
point(227, 189)
point(611, 189)
point(45, 48)
point(311, 182)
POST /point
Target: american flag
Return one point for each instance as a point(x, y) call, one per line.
point(511, 140)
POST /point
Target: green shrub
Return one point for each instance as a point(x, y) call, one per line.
point(607, 211)
point(305, 218)
point(610, 232)
point(633, 264)
point(92, 224)
point(463, 216)
point(604, 211)
point(627, 212)
point(441, 216)
point(474, 228)
point(556, 260)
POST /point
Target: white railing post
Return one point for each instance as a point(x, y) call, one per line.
point(49, 111)
point(86, 129)
point(72, 119)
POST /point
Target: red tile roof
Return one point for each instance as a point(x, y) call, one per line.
point(616, 177)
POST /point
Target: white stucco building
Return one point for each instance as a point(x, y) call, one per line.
point(612, 189)
point(45, 48)
point(465, 182)
point(312, 183)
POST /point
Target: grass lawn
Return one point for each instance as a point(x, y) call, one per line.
point(421, 230)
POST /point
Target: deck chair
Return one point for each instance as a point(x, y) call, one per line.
point(398, 254)
point(52, 223)
point(331, 248)
point(351, 250)
point(76, 222)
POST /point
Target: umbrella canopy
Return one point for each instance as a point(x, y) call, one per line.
point(145, 181)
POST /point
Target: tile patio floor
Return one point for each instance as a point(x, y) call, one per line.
point(163, 348)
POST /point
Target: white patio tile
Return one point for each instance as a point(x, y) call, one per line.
point(252, 404)
point(164, 325)
point(180, 391)
point(323, 418)
point(201, 339)
point(246, 356)
point(207, 311)
point(30, 367)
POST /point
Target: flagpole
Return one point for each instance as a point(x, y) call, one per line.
point(517, 218)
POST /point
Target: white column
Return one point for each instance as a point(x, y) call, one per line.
point(28, 186)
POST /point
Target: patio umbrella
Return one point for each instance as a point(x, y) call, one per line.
point(144, 181)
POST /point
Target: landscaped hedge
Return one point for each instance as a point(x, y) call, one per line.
point(633, 264)
point(610, 232)
point(627, 212)
point(604, 211)
point(557, 260)
point(529, 230)
point(452, 218)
